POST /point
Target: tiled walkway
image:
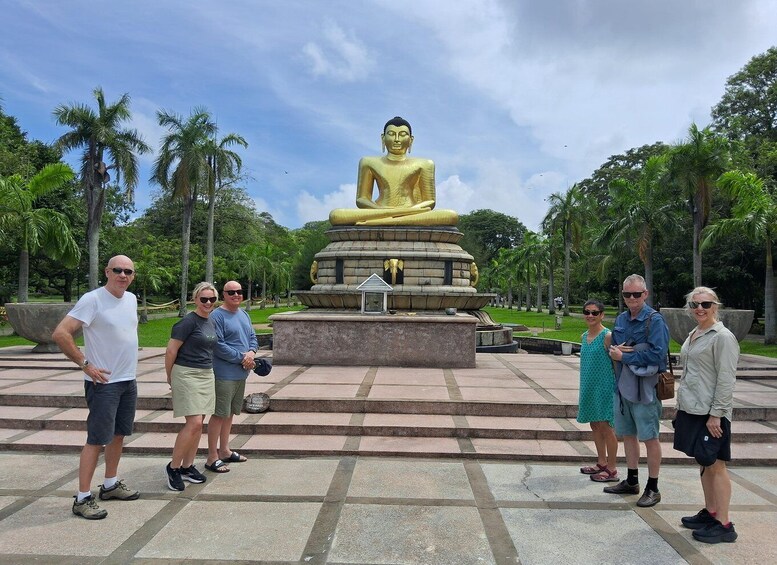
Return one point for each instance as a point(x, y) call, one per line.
point(445, 500)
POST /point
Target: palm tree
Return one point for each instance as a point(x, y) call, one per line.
point(250, 265)
point(182, 169)
point(754, 214)
point(106, 146)
point(694, 166)
point(150, 274)
point(34, 229)
point(641, 211)
point(222, 164)
point(566, 215)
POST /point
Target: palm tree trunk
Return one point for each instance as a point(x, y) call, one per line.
point(24, 275)
point(648, 263)
point(144, 309)
point(250, 296)
point(770, 296)
point(264, 291)
point(551, 302)
point(211, 218)
point(188, 208)
point(697, 227)
point(95, 204)
point(539, 286)
point(567, 253)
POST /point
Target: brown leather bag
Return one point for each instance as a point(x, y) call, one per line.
point(665, 384)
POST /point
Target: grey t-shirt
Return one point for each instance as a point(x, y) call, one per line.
point(199, 339)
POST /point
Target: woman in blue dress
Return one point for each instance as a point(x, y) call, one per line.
point(597, 385)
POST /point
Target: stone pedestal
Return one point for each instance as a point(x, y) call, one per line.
point(680, 323)
point(314, 337)
point(36, 321)
point(435, 272)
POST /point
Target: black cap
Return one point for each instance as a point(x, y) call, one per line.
point(263, 367)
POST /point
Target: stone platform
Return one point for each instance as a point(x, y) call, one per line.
point(418, 339)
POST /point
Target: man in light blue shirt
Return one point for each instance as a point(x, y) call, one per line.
point(233, 360)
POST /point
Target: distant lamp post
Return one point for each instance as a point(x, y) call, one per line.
point(374, 295)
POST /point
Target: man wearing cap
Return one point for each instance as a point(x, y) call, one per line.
point(232, 362)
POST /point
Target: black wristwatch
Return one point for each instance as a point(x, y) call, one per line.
point(85, 364)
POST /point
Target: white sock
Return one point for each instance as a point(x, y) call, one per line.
point(81, 496)
point(108, 483)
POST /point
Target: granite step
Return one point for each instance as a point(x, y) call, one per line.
point(362, 424)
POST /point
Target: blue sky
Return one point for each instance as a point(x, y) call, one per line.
point(512, 99)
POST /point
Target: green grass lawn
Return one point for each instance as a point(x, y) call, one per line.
point(156, 333)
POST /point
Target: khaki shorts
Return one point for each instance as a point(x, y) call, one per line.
point(193, 391)
point(229, 397)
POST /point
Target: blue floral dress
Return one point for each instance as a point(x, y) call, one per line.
point(597, 381)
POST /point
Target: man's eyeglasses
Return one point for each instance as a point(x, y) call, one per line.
point(118, 271)
point(234, 292)
point(591, 312)
point(206, 299)
point(633, 294)
point(707, 304)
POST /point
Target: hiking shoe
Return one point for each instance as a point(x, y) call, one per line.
point(716, 533)
point(649, 498)
point(192, 475)
point(174, 480)
point(622, 487)
point(88, 508)
point(119, 491)
point(701, 519)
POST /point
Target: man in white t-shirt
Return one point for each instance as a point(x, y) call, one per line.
point(108, 317)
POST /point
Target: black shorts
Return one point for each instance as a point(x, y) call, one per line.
point(688, 427)
point(111, 410)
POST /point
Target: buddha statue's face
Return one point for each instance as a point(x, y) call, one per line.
point(397, 139)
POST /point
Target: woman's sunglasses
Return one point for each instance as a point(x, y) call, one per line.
point(211, 299)
point(591, 312)
point(707, 304)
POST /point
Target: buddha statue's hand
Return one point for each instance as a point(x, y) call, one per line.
point(426, 204)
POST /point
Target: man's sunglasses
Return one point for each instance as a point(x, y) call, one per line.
point(118, 271)
point(707, 304)
point(211, 299)
point(591, 312)
point(633, 294)
point(234, 292)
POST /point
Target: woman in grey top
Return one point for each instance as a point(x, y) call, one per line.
point(705, 401)
point(189, 367)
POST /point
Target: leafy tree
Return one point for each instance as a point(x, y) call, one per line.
point(642, 211)
point(33, 228)
point(182, 169)
point(748, 109)
point(566, 215)
point(106, 146)
point(626, 166)
point(309, 240)
point(694, 167)
point(486, 232)
point(754, 214)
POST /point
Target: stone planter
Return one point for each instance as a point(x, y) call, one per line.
point(680, 323)
point(36, 321)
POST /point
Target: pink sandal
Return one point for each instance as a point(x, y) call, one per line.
point(605, 476)
point(593, 470)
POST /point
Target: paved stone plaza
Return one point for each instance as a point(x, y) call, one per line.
point(328, 498)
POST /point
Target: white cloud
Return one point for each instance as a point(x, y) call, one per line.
point(311, 208)
point(342, 58)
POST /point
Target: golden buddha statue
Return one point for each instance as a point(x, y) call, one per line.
point(406, 192)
